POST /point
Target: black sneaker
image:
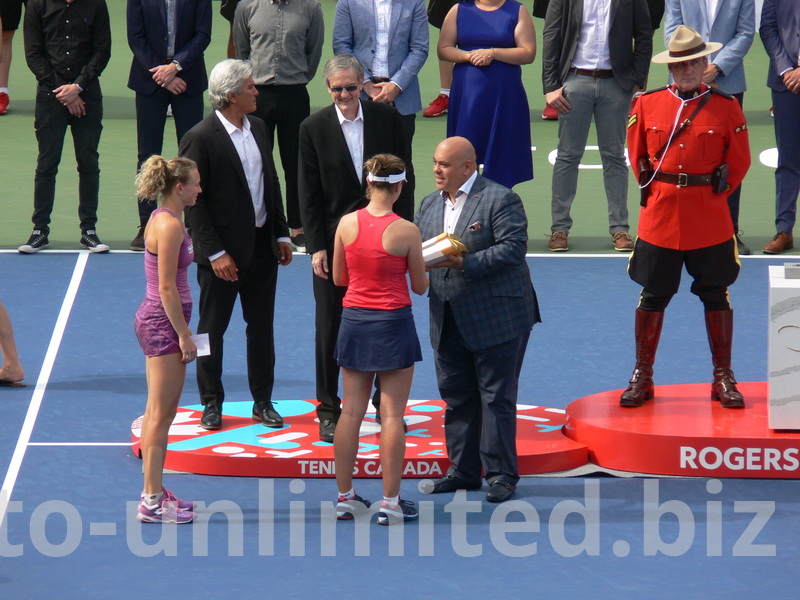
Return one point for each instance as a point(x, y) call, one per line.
point(37, 241)
point(391, 514)
point(743, 249)
point(91, 242)
point(137, 245)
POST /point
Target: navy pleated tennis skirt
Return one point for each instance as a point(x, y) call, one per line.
point(377, 340)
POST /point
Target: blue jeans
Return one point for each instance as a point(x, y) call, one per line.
point(609, 104)
point(51, 122)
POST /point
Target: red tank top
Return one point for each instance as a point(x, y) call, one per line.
point(377, 278)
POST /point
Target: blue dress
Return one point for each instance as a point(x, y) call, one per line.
point(488, 105)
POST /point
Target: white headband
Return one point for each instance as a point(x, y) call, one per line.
point(396, 178)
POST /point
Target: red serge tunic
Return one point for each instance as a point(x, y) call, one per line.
point(377, 278)
point(691, 217)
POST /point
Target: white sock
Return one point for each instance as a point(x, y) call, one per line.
point(392, 501)
point(152, 500)
point(2, 89)
point(445, 91)
point(348, 495)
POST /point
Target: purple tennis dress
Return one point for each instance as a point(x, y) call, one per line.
point(153, 329)
point(488, 105)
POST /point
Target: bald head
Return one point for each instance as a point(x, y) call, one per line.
point(453, 163)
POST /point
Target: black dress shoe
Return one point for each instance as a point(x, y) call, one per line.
point(212, 419)
point(327, 427)
point(267, 414)
point(500, 491)
point(451, 483)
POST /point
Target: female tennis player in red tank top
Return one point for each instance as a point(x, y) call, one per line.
point(373, 250)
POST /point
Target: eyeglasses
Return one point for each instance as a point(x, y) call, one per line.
point(340, 89)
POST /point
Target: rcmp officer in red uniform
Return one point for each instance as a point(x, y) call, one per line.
point(688, 145)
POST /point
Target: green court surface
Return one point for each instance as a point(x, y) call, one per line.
point(118, 216)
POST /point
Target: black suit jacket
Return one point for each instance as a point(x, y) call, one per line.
point(223, 217)
point(630, 41)
point(328, 185)
point(147, 38)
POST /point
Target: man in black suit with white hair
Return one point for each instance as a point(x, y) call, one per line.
point(240, 236)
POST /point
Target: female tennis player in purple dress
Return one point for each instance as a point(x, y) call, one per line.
point(162, 324)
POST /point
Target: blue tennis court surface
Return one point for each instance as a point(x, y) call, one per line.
point(69, 530)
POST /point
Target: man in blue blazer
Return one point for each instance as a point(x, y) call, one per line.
point(732, 24)
point(780, 33)
point(168, 39)
point(390, 40)
point(482, 309)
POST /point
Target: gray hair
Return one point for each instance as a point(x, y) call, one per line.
point(227, 77)
point(342, 62)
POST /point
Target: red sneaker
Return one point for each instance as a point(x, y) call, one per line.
point(3, 103)
point(438, 107)
point(549, 113)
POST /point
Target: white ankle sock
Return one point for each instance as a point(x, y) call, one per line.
point(152, 500)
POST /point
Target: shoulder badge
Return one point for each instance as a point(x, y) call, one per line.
point(719, 92)
point(632, 120)
point(661, 89)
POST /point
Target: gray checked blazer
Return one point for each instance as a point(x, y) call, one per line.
point(492, 299)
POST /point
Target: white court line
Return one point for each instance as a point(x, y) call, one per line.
point(561, 255)
point(41, 384)
point(80, 444)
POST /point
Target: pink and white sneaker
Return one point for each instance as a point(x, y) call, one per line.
point(164, 512)
point(170, 497)
point(182, 504)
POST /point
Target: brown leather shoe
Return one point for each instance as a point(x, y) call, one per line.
point(640, 388)
point(724, 389)
point(558, 241)
point(780, 243)
point(622, 241)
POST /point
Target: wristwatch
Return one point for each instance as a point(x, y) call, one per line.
point(177, 65)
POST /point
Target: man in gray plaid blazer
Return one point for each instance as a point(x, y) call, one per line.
point(482, 309)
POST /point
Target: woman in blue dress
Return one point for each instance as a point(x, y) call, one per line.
point(489, 40)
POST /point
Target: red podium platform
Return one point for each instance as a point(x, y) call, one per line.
point(244, 447)
point(683, 432)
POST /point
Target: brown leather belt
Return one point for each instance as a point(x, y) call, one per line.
point(597, 73)
point(379, 79)
point(683, 179)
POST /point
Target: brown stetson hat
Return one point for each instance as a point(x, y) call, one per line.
point(685, 44)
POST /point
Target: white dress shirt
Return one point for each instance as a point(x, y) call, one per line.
point(592, 51)
point(383, 21)
point(711, 14)
point(250, 155)
point(453, 207)
point(354, 136)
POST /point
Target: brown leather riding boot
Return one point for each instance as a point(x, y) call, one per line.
point(719, 325)
point(648, 332)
